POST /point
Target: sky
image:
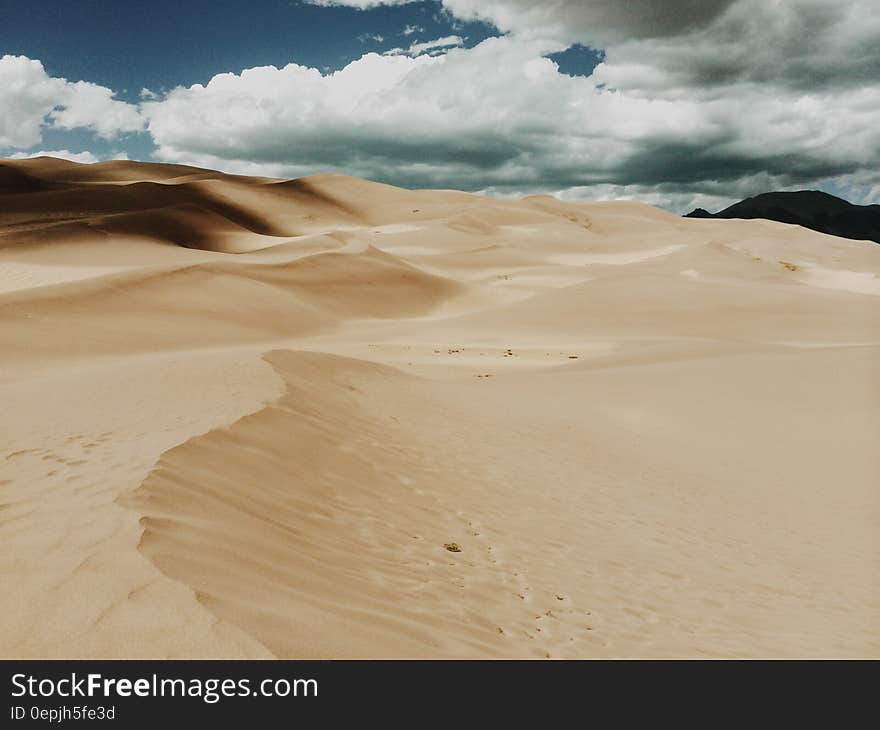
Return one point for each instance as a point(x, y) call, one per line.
point(678, 103)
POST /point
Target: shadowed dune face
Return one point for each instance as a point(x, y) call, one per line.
point(14, 181)
point(184, 206)
point(139, 208)
point(246, 416)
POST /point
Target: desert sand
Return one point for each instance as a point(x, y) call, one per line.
point(326, 417)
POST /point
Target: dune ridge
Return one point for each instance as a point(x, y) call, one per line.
point(246, 417)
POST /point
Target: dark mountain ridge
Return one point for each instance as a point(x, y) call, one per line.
point(811, 209)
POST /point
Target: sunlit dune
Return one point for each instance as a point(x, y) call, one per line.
point(327, 417)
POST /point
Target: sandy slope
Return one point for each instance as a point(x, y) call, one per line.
point(243, 417)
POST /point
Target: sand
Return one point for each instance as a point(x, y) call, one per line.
point(245, 418)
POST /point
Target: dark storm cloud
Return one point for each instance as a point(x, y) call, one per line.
point(595, 22)
point(801, 45)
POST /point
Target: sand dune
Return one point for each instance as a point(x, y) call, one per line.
point(246, 417)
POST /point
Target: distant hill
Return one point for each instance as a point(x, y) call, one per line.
point(808, 208)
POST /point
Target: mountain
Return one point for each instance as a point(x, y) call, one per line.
point(808, 208)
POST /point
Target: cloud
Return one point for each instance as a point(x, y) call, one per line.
point(432, 48)
point(359, 4)
point(595, 22)
point(88, 106)
point(501, 117)
point(410, 29)
point(796, 42)
point(705, 99)
point(84, 157)
point(712, 102)
point(27, 95)
point(591, 22)
point(440, 43)
point(30, 100)
point(797, 45)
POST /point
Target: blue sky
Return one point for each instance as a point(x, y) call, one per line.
point(671, 102)
point(166, 43)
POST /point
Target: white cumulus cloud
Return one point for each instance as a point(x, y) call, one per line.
point(27, 95)
point(30, 100)
point(439, 43)
point(85, 157)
